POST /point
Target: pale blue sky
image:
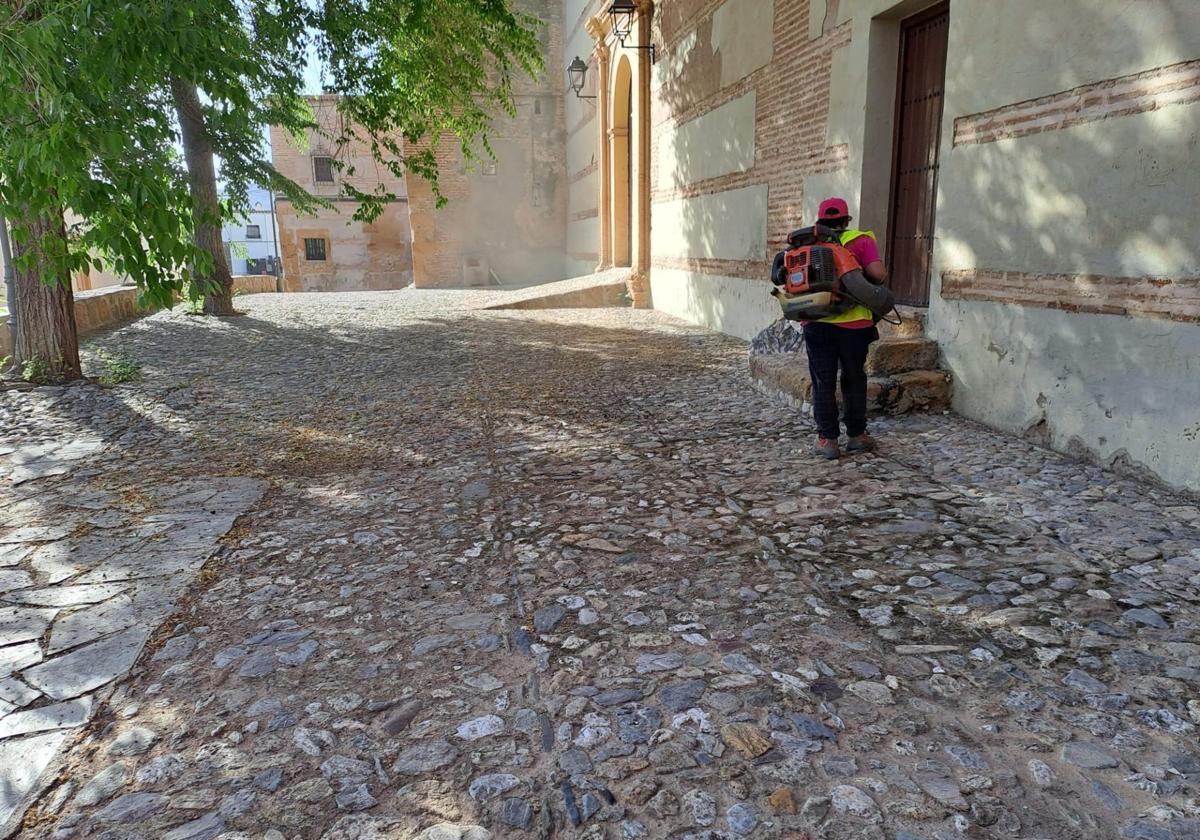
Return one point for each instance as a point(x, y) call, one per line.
point(312, 85)
point(312, 74)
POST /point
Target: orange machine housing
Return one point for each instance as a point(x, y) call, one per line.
point(816, 262)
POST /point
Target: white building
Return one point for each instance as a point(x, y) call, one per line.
point(251, 243)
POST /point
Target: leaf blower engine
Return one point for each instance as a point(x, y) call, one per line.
point(819, 277)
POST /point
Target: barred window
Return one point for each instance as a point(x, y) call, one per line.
point(253, 232)
point(314, 250)
point(323, 170)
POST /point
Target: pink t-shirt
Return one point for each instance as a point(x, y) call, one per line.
point(865, 249)
point(866, 252)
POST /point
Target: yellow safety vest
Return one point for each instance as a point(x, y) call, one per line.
point(856, 312)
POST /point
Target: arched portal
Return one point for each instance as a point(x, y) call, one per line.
point(624, 160)
point(621, 219)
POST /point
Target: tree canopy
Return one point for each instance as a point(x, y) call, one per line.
point(84, 125)
point(87, 120)
point(419, 70)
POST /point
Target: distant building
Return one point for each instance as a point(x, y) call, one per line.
point(249, 245)
point(330, 252)
point(505, 221)
point(94, 278)
point(250, 242)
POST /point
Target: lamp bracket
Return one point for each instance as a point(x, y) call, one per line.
point(651, 47)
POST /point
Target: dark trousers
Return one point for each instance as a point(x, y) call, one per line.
point(829, 348)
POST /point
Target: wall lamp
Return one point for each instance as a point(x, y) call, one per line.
point(577, 74)
point(622, 13)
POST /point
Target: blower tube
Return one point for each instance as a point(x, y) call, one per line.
point(878, 299)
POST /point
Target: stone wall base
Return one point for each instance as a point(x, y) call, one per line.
point(105, 308)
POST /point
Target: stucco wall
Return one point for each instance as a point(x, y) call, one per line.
point(1102, 387)
point(726, 225)
point(582, 144)
point(718, 142)
point(506, 217)
point(734, 305)
point(359, 256)
point(1078, 210)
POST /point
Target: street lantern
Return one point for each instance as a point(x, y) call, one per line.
point(622, 13)
point(577, 74)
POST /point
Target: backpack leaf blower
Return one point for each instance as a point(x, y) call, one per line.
point(817, 276)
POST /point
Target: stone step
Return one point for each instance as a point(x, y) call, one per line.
point(591, 291)
point(909, 392)
point(912, 323)
point(785, 375)
point(894, 355)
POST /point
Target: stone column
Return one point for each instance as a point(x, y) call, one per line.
point(640, 154)
point(603, 57)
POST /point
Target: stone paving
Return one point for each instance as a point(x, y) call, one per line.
point(88, 569)
point(564, 573)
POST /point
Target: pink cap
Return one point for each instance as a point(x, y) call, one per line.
point(833, 208)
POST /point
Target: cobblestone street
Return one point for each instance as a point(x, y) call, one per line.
point(394, 566)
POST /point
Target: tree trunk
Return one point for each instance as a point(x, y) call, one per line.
point(47, 348)
point(202, 175)
point(47, 345)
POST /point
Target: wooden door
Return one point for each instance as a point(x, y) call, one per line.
point(920, 93)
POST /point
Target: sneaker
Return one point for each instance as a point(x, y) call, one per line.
point(862, 443)
point(826, 448)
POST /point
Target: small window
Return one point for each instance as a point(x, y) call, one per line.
point(323, 170)
point(314, 250)
point(253, 232)
point(489, 168)
point(537, 105)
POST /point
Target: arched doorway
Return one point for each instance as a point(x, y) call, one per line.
point(622, 164)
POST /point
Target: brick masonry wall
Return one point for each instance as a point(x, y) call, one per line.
point(1172, 299)
point(1137, 93)
point(254, 284)
point(359, 256)
point(440, 240)
point(791, 121)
